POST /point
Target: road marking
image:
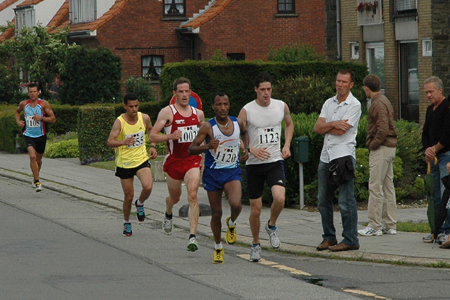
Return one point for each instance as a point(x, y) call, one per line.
point(364, 293)
point(276, 265)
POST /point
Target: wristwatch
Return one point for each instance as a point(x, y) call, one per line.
point(248, 149)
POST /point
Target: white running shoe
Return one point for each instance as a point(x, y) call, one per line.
point(369, 231)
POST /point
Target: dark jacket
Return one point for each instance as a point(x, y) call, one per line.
point(340, 170)
point(437, 127)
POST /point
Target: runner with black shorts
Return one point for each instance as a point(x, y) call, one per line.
point(36, 113)
point(263, 119)
point(128, 138)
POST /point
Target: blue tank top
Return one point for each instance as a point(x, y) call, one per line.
point(226, 156)
point(34, 129)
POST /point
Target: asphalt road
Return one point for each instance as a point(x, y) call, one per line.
point(55, 246)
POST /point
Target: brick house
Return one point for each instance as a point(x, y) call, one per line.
point(402, 41)
point(146, 34)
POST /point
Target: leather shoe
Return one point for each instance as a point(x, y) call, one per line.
point(343, 247)
point(325, 244)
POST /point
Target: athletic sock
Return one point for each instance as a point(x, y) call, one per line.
point(231, 223)
point(218, 246)
point(139, 203)
point(169, 216)
point(191, 236)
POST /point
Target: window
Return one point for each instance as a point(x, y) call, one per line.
point(286, 7)
point(152, 66)
point(427, 47)
point(375, 61)
point(174, 8)
point(82, 11)
point(405, 5)
point(24, 18)
point(236, 56)
point(409, 81)
point(354, 46)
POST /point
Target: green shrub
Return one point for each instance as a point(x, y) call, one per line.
point(94, 126)
point(409, 149)
point(64, 148)
point(236, 78)
point(92, 75)
point(9, 86)
point(294, 53)
point(140, 87)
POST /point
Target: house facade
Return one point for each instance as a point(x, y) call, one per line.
point(403, 42)
point(146, 34)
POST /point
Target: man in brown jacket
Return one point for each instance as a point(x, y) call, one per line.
point(381, 141)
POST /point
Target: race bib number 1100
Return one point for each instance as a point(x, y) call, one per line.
point(188, 133)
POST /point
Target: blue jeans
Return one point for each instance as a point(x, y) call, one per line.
point(347, 206)
point(438, 172)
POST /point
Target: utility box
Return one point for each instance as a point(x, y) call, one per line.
point(301, 146)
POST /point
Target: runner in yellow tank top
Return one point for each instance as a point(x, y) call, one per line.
point(128, 138)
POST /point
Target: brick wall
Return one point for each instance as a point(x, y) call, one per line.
point(391, 58)
point(252, 29)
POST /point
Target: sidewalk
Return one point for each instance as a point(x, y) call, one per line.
point(300, 231)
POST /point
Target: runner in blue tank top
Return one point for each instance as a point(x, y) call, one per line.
point(222, 171)
point(36, 113)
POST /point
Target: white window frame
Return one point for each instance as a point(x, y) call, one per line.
point(82, 11)
point(151, 63)
point(178, 4)
point(427, 47)
point(354, 48)
point(25, 17)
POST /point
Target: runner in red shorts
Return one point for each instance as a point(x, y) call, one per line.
point(181, 123)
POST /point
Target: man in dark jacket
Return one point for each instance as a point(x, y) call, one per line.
point(381, 141)
point(436, 143)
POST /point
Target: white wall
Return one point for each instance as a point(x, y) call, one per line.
point(46, 10)
point(103, 6)
point(7, 14)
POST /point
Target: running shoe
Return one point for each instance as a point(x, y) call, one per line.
point(231, 235)
point(38, 186)
point(391, 231)
point(218, 256)
point(192, 246)
point(127, 229)
point(369, 231)
point(167, 226)
point(255, 253)
point(427, 239)
point(274, 238)
point(140, 211)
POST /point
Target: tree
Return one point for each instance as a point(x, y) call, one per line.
point(294, 53)
point(91, 75)
point(36, 54)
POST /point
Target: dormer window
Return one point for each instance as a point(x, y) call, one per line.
point(82, 11)
point(25, 17)
point(174, 8)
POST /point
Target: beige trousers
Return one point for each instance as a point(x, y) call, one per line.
point(382, 203)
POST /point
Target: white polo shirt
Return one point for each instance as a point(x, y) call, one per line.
point(335, 146)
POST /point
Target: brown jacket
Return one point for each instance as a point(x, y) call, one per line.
point(381, 130)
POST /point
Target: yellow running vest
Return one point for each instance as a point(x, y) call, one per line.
point(132, 156)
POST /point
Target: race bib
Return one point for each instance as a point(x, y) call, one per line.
point(227, 155)
point(139, 139)
point(269, 135)
point(188, 133)
point(32, 122)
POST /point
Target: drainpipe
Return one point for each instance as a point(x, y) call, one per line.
point(338, 29)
